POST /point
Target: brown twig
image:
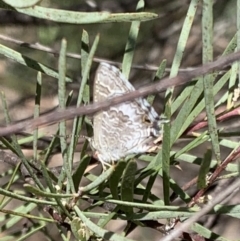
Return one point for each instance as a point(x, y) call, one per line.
point(206, 209)
point(46, 49)
point(233, 156)
point(162, 85)
point(222, 117)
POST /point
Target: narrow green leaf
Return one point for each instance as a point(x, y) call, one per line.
point(149, 186)
point(180, 123)
point(24, 60)
point(13, 220)
point(129, 17)
point(131, 43)
point(78, 174)
point(159, 74)
point(21, 3)
point(37, 111)
point(127, 187)
point(166, 156)
point(204, 169)
point(231, 85)
point(14, 146)
point(64, 16)
point(67, 170)
point(188, 116)
point(206, 233)
point(86, 66)
point(194, 143)
point(25, 198)
point(103, 177)
point(207, 31)
point(99, 231)
point(114, 180)
point(184, 37)
point(38, 192)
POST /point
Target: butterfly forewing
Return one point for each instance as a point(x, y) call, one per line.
point(127, 128)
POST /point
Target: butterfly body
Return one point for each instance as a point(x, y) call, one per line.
point(127, 128)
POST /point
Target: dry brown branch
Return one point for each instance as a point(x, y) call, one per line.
point(219, 198)
point(160, 86)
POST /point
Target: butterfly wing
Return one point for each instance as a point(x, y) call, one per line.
point(124, 129)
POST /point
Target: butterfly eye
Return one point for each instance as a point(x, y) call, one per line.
point(146, 119)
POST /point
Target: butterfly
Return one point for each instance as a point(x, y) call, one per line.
point(127, 128)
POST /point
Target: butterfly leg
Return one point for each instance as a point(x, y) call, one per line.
point(105, 164)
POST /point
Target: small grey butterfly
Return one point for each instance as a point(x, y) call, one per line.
point(128, 128)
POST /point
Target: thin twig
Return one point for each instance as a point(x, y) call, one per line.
point(219, 197)
point(160, 86)
point(44, 48)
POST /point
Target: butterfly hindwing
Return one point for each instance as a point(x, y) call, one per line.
point(127, 128)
